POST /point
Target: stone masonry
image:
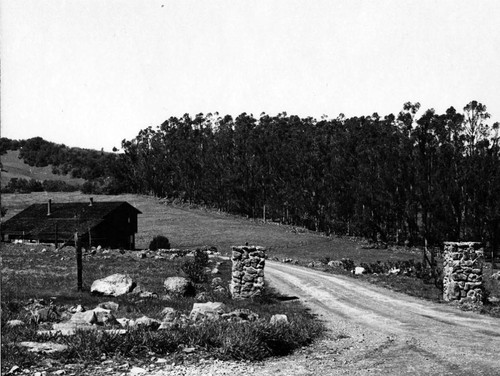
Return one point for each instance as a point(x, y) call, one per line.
point(248, 271)
point(463, 272)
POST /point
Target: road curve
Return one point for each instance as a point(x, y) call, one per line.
point(395, 333)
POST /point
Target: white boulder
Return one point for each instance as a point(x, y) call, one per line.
point(358, 270)
point(279, 319)
point(114, 285)
point(179, 286)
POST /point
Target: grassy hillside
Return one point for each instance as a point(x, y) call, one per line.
point(13, 167)
point(188, 228)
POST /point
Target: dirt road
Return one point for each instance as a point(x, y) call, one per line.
point(389, 333)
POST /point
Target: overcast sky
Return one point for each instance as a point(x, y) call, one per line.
point(91, 73)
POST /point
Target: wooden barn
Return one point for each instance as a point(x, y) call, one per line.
point(108, 224)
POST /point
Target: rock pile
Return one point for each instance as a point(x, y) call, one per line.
point(463, 272)
point(248, 271)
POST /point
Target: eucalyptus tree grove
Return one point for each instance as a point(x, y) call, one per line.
point(405, 177)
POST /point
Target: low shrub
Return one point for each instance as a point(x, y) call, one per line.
point(159, 242)
point(348, 264)
point(195, 268)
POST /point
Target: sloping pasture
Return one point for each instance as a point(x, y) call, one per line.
point(193, 227)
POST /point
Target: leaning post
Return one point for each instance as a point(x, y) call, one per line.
point(79, 263)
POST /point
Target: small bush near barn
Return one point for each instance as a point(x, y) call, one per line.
point(159, 242)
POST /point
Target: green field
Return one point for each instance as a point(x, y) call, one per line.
point(13, 167)
point(189, 228)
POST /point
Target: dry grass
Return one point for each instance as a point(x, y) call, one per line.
point(196, 227)
point(13, 167)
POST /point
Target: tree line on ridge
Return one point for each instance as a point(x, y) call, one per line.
point(432, 177)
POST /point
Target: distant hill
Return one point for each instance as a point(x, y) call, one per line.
point(13, 167)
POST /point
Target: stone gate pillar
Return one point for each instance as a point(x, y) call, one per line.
point(248, 271)
point(463, 272)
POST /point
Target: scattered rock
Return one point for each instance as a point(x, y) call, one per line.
point(148, 295)
point(67, 328)
point(169, 314)
point(78, 308)
point(15, 323)
point(202, 297)
point(335, 263)
point(210, 310)
point(14, 369)
point(241, 315)
point(279, 319)
point(165, 325)
point(215, 271)
point(45, 347)
point(105, 317)
point(394, 271)
point(114, 285)
point(137, 371)
point(496, 276)
point(137, 289)
point(179, 286)
point(148, 322)
point(109, 305)
point(125, 323)
point(86, 318)
point(358, 270)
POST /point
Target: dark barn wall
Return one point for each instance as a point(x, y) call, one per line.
point(118, 229)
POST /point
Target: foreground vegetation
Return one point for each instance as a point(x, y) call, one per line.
point(32, 273)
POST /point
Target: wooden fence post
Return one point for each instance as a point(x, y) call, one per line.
point(56, 240)
point(79, 263)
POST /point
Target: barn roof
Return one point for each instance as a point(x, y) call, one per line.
point(67, 217)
